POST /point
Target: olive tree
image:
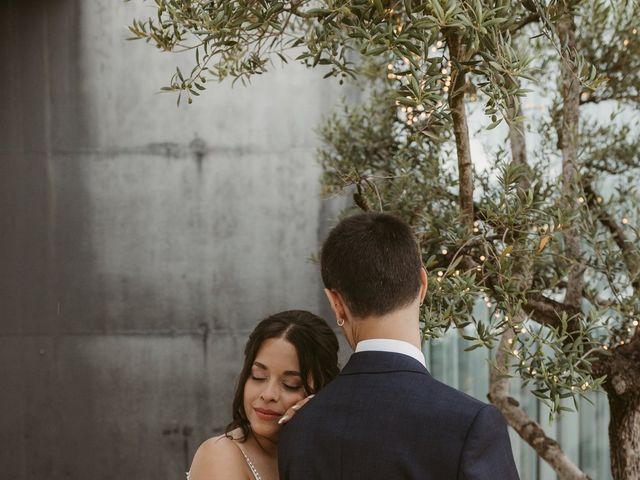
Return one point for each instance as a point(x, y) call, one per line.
point(546, 236)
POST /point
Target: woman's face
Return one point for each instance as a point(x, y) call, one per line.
point(274, 385)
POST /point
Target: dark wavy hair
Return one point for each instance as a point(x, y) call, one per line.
point(315, 343)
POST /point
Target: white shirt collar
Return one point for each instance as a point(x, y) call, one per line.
point(390, 345)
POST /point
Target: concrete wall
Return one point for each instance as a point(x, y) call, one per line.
point(139, 243)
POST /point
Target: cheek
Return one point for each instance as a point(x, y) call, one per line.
point(250, 395)
point(289, 399)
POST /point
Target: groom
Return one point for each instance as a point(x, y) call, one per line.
point(385, 417)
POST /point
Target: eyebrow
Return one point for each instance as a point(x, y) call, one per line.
point(289, 373)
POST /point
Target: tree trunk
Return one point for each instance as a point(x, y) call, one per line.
point(624, 437)
point(517, 137)
point(622, 368)
point(568, 135)
point(461, 131)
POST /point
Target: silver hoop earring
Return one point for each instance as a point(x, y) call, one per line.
point(340, 322)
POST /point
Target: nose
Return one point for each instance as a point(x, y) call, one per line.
point(270, 393)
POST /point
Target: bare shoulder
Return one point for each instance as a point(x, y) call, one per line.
point(219, 458)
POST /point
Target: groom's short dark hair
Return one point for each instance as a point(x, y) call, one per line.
point(373, 261)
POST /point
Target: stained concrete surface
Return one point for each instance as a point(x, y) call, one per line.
point(139, 242)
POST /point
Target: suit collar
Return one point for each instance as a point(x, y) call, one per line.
point(391, 345)
point(382, 362)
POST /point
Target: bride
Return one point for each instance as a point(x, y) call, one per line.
point(289, 356)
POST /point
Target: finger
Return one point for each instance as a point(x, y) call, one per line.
point(288, 415)
point(285, 418)
point(302, 402)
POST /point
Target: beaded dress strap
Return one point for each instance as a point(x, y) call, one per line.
point(252, 467)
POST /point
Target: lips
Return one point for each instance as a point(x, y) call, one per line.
point(265, 414)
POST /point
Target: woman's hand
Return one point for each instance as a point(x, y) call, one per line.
point(289, 414)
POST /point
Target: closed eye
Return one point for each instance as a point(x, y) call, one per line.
point(292, 387)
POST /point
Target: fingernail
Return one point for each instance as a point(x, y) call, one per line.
point(283, 419)
point(311, 396)
point(295, 407)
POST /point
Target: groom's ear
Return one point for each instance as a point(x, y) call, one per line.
point(424, 283)
point(337, 303)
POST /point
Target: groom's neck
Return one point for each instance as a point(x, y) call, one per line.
point(401, 324)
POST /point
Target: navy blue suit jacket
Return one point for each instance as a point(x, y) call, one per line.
point(385, 417)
